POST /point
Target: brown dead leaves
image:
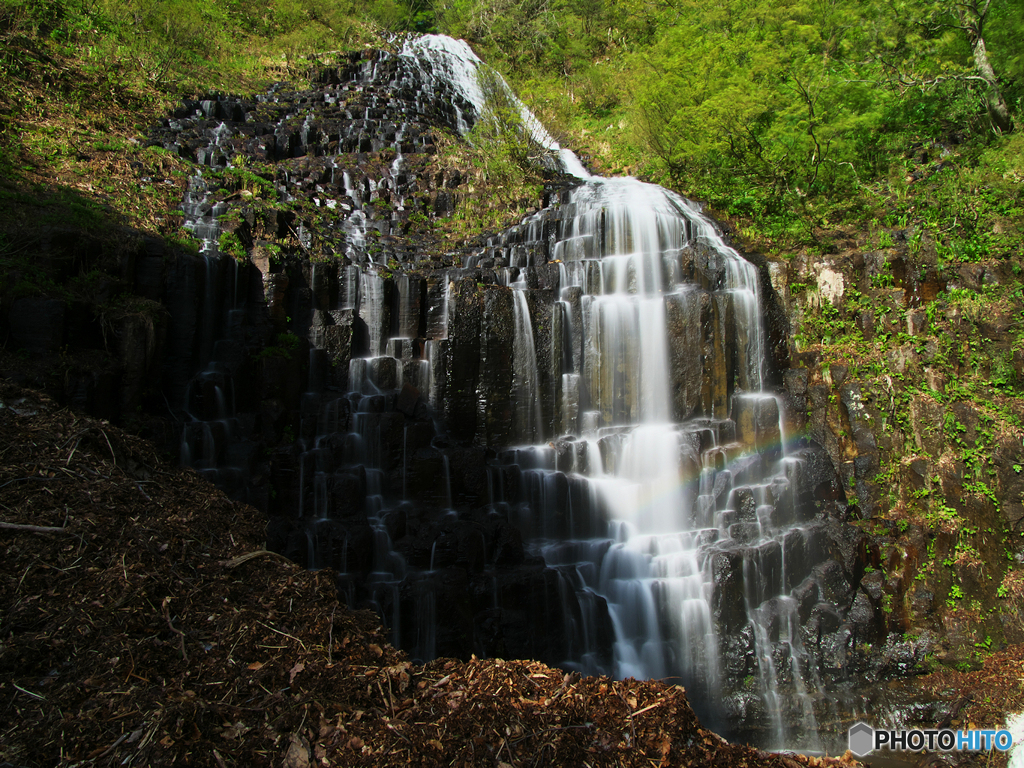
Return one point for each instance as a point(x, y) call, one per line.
point(154, 631)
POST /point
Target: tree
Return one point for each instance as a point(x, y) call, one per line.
point(945, 41)
point(972, 16)
point(756, 102)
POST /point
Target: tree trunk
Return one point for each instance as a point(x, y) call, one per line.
point(972, 19)
point(998, 111)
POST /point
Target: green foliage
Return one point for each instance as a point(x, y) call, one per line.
point(789, 116)
point(883, 279)
point(955, 594)
point(750, 113)
point(246, 179)
point(183, 239)
point(506, 151)
point(824, 323)
point(232, 246)
point(529, 35)
point(144, 55)
point(286, 344)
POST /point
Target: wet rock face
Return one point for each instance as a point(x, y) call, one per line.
point(487, 448)
point(687, 315)
point(366, 385)
point(915, 458)
point(92, 344)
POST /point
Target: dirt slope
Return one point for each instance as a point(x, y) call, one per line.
point(142, 624)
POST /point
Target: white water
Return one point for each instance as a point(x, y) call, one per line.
point(525, 388)
point(662, 475)
point(621, 242)
point(454, 62)
point(666, 489)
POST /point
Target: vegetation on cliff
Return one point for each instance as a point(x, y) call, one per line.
point(871, 149)
point(84, 81)
point(795, 118)
point(798, 121)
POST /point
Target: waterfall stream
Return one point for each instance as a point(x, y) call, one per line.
point(568, 432)
point(673, 484)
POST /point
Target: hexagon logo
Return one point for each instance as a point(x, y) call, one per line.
point(862, 739)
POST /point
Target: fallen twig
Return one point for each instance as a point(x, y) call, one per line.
point(18, 479)
point(170, 625)
point(330, 636)
point(33, 695)
point(646, 709)
point(72, 454)
point(112, 455)
point(113, 746)
point(32, 528)
point(278, 631)
point(237, 561)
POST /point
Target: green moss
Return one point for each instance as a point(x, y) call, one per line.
point(246, 179)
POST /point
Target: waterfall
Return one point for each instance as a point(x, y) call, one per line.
point(582, 458)
point(681, 450)
point(459, 66)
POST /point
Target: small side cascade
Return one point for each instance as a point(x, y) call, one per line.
point(213, 439)
point(526, 395)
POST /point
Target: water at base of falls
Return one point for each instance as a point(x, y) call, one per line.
point(618, 391)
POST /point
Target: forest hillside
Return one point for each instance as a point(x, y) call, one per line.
point(866, 156)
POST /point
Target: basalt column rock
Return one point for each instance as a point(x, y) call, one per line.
point(37, 324)
point(757, 425)
point(684, 312)
point(462, 373)
point(552, 442)
point(140, 337)
point(494, 418)
point(717, 322)
point(540, 302)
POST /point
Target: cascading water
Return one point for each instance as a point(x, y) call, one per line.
point(559, 448)
point(673, 471)
point(526, 396)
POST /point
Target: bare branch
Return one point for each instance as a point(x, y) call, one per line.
point(910, 83)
